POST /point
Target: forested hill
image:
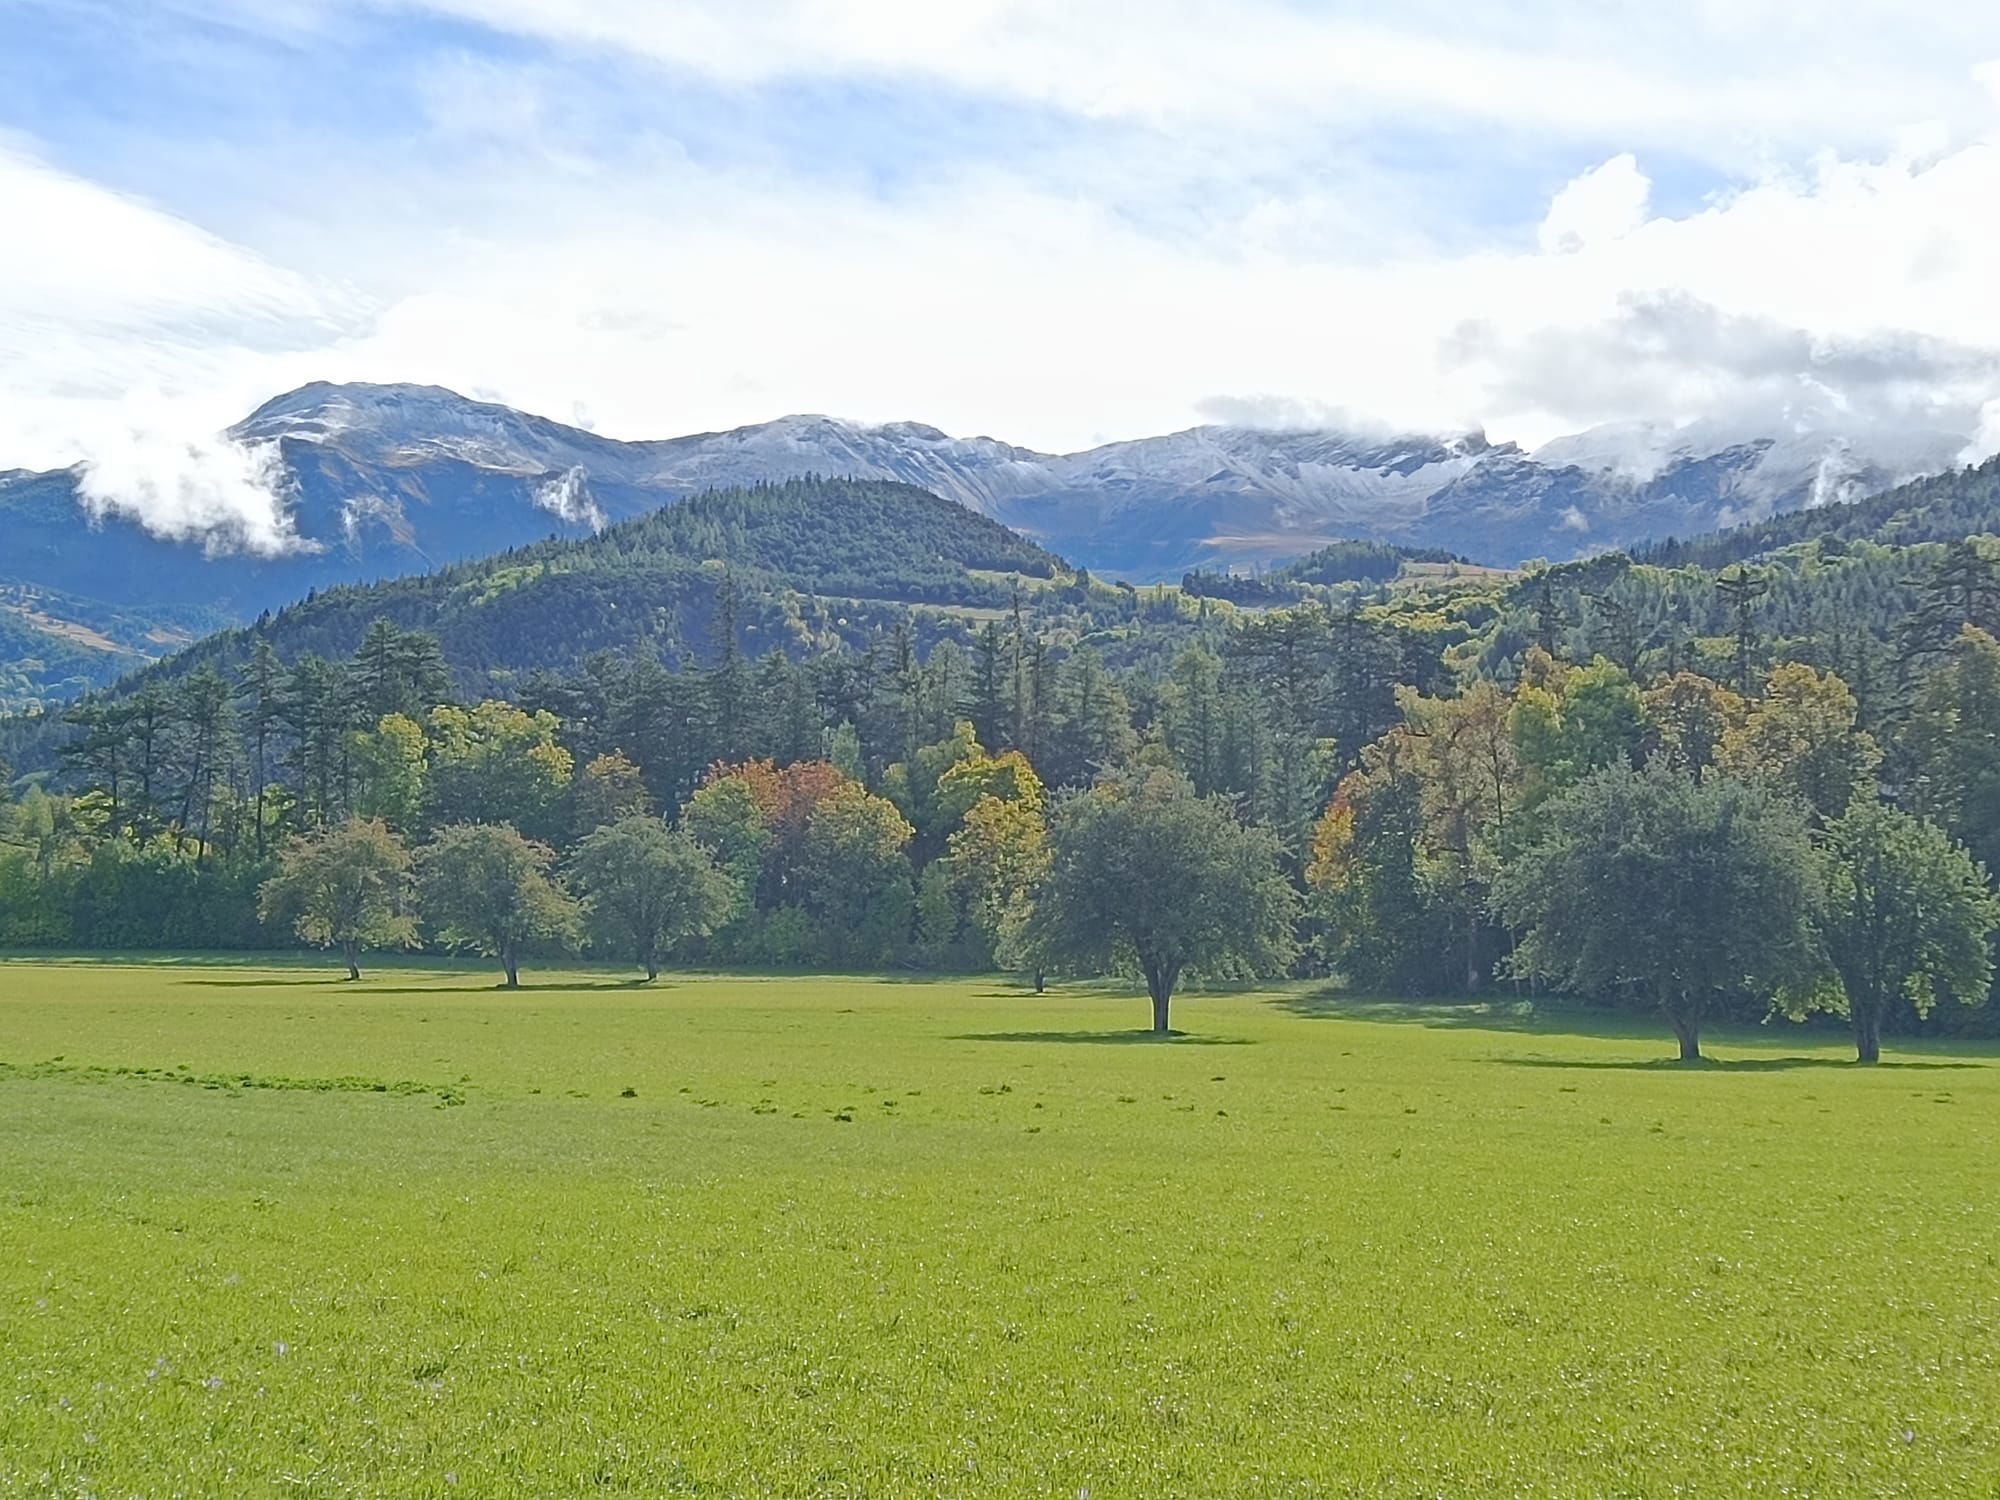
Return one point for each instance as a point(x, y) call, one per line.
point(1942, 508)
point(800, 566)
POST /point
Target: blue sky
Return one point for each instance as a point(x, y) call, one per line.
point(1059, 223)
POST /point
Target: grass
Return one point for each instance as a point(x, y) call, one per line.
point(263, 1233)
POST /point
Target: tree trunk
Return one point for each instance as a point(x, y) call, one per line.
point(511, 964)
point(652, 970)
point(1041, 981)
point(1160, 985)
point(1867, 1036)
point(1688, 1030)
point(352, 954)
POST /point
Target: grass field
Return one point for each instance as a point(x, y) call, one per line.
point(262, 1233)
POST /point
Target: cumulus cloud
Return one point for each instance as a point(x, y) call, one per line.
point(1605, 203)
point(228, 496)
point(567, 497)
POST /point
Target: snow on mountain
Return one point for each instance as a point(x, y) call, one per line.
point(393, 479)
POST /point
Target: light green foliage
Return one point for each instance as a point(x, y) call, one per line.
point(1802, 738)
point(646, 887)
point(1006, 777)
point(1570, 721)
point(855, 1238)
point(498, 763)
point(1907, 918)
point(853, 877)
point(724, 818)
point(999, 855)
point(1652, 889)
point(487, 888)
point(47, 832)
point(345, 887)
point(844, 751)
point(391, 771)
point(1147, 876)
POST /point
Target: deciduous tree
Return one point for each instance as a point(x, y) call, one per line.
point(1650, 888)
point(1907, 916)
point(345, 887)
point(646, 888)
point(487, 888)
point(1147, 875)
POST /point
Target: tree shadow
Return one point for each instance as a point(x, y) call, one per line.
point(1520, 1016)
point(1724, 1064)
point(263, 984)
point(476, 987)
point(1107, 1038)
point(1466, 1014)
point(525, 987)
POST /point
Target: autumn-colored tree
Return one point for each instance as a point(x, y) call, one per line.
point(853, 879)
point(1801, 737)
point(1688, 716)
point(998, 857)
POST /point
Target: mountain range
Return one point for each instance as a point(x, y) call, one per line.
point(383, 481)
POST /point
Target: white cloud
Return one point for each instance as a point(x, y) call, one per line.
point(1722, 74)
point(568, 497)
point(227, 495)
point(665, 293)
point(1986, 438)
point(127, 340)
point(1606, 203)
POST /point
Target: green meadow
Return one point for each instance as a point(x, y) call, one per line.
point(265, 1233)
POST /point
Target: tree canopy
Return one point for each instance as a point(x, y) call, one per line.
point(1652, 889)
point(1144, 874)
point(345, 887)
point(487, 888)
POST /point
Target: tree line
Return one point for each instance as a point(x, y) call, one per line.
point(1378, 791)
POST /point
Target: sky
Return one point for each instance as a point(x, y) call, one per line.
point(1058, 222)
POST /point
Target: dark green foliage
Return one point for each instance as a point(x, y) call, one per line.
point(647, 888)
point(1906, 921)
point(1655, 890)
point(1944, 508)
point(1147, 876)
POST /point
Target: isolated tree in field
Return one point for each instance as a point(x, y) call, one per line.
point(1145, 874)
point(1907, 915)
point(487, 888)
point(646, 887)
point(1653, 889)
point(346, 887)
